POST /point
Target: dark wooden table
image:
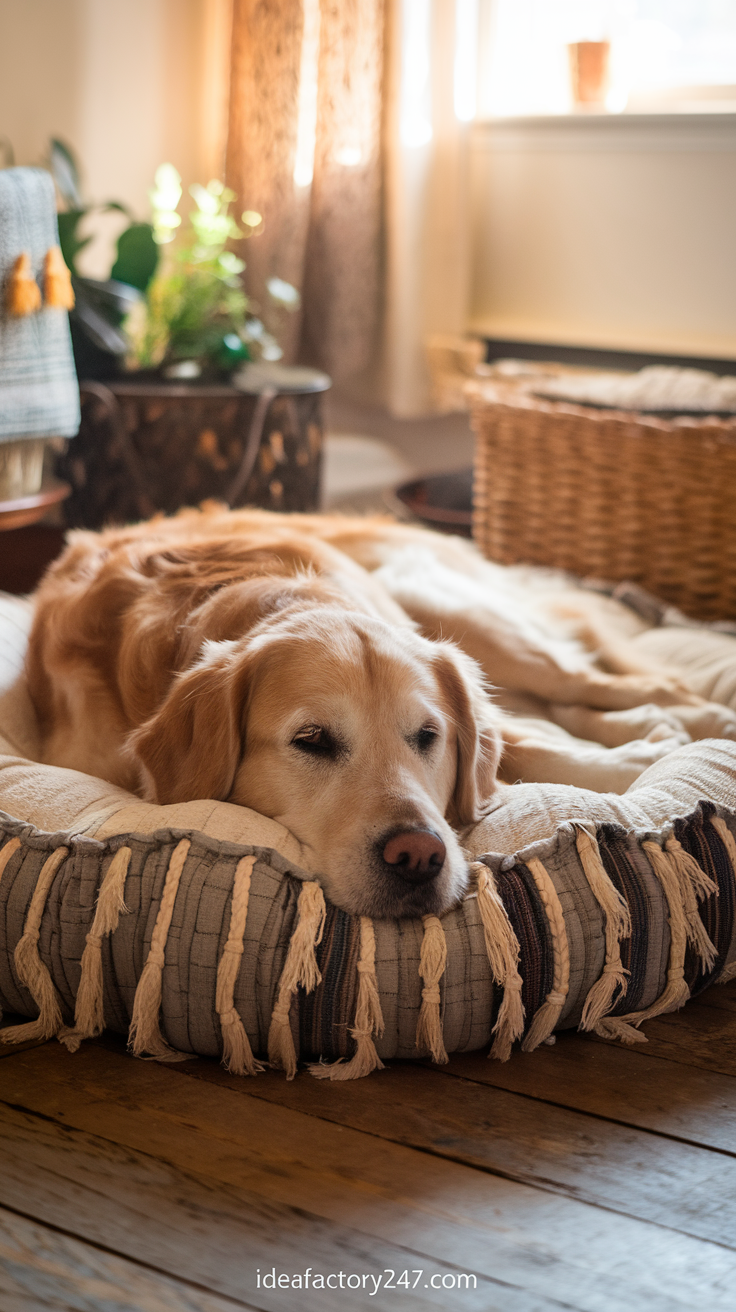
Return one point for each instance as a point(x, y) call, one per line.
point(27, 547)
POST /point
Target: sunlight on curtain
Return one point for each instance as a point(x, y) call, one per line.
point(348, 132)
point(431, 101)
point(415, 121)
point(466, 60)
point(306, 130)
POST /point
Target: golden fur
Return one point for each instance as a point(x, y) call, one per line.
point(299, 665)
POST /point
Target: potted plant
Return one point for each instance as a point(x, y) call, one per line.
point(165, 427)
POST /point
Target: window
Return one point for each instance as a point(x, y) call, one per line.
point(677, 55)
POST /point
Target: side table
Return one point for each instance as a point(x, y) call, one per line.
point(27, 547)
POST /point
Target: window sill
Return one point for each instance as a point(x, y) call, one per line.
point(630, 131)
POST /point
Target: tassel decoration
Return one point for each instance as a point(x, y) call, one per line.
point(617, 925)
point(694, 885)
point(676, 991)
point(368, 1017)
point(89, 1016)
point(57, 281)
point(237, 1055)
point(502, 947)
point(144, 1035)
point(548, 1015)
point(23, 294)
point(10, 848)
point(300, 968)
point(31, 970)
point(432, 963)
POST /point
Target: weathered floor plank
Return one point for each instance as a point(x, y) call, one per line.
point(680, 1185)
point(554, 1247)
point(43, 1270)
point(701, 1035)
point(213, 1233)
point(630, 1087)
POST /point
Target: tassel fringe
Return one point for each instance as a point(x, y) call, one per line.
point(502, 947)
point(144, 1035)
point(694, 885)
point(31, 970)
point(23, 295)
point(237, 1055)
point(300, 968)
point(548, 1015)
point(57, 282)
point(617, 923)
point(89, 1016)
point(616, 1027)
point(368, 1017)
point(10, 848)
point(676, 993)
point(432, 963)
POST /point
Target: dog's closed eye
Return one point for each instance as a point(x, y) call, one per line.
point(424, 739)
point(316, 740)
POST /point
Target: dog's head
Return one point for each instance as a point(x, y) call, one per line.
point(368, 742)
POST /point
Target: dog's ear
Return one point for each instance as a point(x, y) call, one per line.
point(479, 742)
point(192, 746)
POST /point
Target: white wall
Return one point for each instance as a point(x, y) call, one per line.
point(128, 83)
point(616, 232)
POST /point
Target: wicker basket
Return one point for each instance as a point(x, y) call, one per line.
point(609, 494)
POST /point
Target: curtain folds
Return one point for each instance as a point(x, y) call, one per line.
point(343, 135)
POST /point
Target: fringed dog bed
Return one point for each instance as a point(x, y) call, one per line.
point(194, 930)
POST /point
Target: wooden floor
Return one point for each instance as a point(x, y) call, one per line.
point(581, 1176)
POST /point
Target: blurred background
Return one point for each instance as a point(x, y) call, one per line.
point(546, 178)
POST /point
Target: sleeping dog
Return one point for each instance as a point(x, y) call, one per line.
point(334, 675)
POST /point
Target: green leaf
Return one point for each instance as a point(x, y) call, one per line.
point(65, 173)
point(137, 256)
point(118, 206)
point(69, 240)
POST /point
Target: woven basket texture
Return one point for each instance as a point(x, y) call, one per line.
point(149, 447)
point(609, 494)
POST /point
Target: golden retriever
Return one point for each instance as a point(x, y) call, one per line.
point(332, 674)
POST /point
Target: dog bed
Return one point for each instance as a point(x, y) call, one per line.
point(195, 929)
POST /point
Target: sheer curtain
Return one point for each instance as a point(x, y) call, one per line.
point(348, 132)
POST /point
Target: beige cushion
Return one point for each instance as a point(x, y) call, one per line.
point(525, 813)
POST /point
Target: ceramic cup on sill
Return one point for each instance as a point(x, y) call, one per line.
point(589, 73)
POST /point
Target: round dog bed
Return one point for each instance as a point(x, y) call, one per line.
point(194, 928)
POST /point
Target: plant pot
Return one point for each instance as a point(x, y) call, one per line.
point(146, 446)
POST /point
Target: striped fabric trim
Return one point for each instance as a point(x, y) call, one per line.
point(529, 922)
point(327, 1014)
point(702, 840)
point(622, 871)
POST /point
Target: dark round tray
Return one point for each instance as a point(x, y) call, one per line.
point(444, 501)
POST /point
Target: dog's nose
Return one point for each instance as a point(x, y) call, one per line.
point(417, 855)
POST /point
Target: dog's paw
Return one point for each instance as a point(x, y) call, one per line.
point(709, 720)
